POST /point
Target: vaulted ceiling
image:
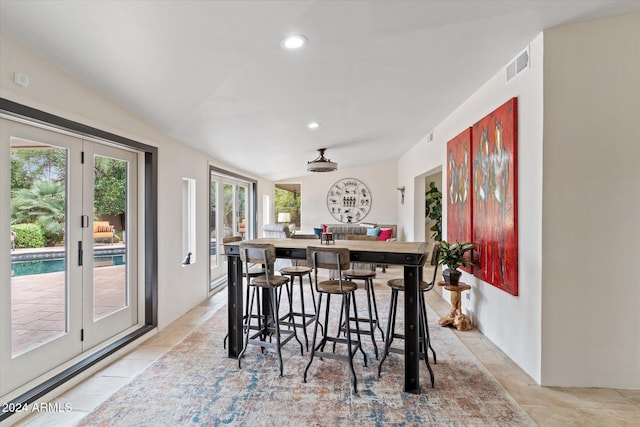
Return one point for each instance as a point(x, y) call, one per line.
point(377, 75)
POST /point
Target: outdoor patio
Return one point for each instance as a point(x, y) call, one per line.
point(38, 303)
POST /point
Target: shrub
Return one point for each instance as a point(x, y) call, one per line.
point(29, 235)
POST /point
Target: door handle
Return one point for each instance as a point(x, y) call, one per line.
point(80, 253)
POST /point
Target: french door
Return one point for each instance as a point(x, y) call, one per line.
point(229, 216)
point(62, 289)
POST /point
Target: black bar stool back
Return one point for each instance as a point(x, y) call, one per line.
point(268, 321)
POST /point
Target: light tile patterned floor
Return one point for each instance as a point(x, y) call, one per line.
point(548, 406)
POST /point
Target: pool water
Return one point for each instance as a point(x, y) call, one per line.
point(26, 268)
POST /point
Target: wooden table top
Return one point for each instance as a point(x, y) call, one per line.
point(355, 245)
point(394, 252)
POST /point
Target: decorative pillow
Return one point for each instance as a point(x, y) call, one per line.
point(373, 231)
point(385, 233)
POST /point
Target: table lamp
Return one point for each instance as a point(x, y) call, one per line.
point(285, 218)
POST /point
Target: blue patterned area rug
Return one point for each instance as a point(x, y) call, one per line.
point(196, 384)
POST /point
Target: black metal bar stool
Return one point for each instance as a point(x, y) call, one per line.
point(397, 286)
point(253, 272)
point(334, 259)
point(305, 319)
point(367, 276)
point(268, 323)
point(365, 272)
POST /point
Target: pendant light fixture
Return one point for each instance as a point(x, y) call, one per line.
point(321, 164)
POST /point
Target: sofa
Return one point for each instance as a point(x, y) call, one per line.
point(341, 231)
point(103, 230)
point(280, 231)
point(277, 231)
point(355, 231)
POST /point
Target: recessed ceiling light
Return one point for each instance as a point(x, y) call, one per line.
point(313, 125)
point(295, 41)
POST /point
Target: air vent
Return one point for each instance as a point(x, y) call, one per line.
point(522, 61)
point(519, 64)
point(511, 70)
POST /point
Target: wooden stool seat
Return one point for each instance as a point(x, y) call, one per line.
point(399, 284)
point(295, 270)
point(333, 286)
point(267, 282)
point(360, 274)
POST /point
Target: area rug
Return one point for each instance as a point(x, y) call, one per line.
point(196, 384)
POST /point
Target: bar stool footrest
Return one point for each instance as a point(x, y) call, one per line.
point(355, 344)
point(362, 321)
point(285, 337)
point(310, 318)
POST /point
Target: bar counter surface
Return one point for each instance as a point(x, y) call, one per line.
point(411, 255)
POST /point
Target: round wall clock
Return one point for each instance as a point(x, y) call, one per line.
point(349, 200)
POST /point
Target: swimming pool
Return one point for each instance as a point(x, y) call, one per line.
point(26, 268)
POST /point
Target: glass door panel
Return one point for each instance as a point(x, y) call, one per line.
point(38, 268)
point(110, 280)
point(109, 232)
point(213, 229)
point(40, 300)
point(229, 208)
point(229, 216)
point(241, 210)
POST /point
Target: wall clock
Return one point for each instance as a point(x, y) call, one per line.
point(349, 200)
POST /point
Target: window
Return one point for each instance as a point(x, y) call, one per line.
point(188, 221)
point(287, 200)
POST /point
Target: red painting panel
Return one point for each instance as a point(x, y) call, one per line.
point(495, 197)
point(459, 219)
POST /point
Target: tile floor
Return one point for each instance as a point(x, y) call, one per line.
point(548, 406)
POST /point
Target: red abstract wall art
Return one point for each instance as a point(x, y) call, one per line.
point(495, 197)
point(459, 190)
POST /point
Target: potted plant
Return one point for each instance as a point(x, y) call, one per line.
point(452, 256)
point(433, 200)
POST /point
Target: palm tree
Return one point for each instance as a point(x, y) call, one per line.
point(44, 204)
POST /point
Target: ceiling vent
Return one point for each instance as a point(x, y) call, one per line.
point(518, 65)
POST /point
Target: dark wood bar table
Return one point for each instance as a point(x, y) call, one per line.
point(411, 255)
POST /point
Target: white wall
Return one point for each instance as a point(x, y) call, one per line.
point(591, 216)
point(379, 177)
point(512, 323)
point(575, 322)
point(54, 91)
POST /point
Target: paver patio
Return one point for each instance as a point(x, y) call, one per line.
point(38, 303)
